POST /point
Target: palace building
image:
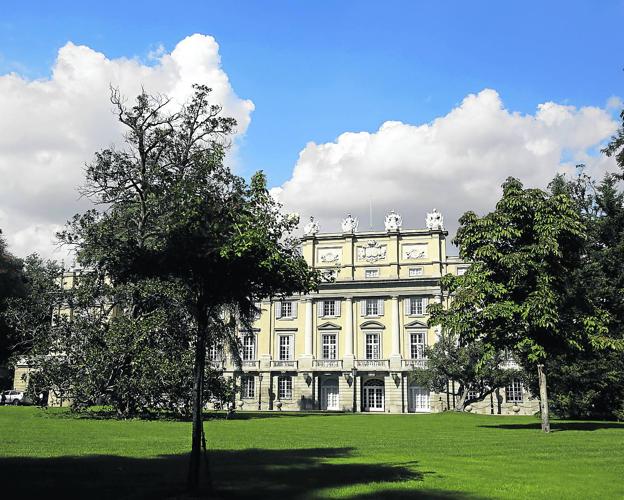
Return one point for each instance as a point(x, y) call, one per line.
point(351, 345)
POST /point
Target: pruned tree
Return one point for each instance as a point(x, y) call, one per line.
point(519, 294)
point(171, 210)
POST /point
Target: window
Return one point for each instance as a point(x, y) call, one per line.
point(461, 271)
point(415, 271)
point(329, 308)
point(214, 353)
point(249, 347)
point(287, 309)
point(248, 387)
point(284, 387)
point(372, 346)
point(371, 273)
point(417, 345)
point(472, 394)
point(417, 306)
point(514, 391)
point(372, 307)
point(285, 347)
point(329, 346)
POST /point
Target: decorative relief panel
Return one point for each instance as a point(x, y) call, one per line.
point(372, 252)
point(415, 251)
point(330, 255)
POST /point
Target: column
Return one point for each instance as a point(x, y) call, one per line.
point(348, 332)
point(395, 357)
point(308, 327)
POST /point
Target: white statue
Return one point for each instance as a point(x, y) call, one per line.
point(393, 221)
point(350, 224)
point(435, 221)
point(311, 228)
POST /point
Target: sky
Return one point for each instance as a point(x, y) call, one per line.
point(400, 105)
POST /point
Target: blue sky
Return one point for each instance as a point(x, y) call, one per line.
point(405, 105)
point(317, 69)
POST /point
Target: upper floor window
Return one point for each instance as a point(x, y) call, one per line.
point(249, 347)
point(285, 347)
point(330, 350)
point(286, 309)
point(329, 308)
point(284, 387)
point(248, 387)
point(214, 353)
point(415, 271)
point(513, 391)
point(372, 307)
point(417, 345)
point(461, 270)
point(372, 346)
point(371, 273)
point(416, 306)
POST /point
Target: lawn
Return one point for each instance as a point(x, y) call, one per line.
point(49, 454)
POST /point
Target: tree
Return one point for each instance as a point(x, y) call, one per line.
point(11, 285)
point(518, 293)
point(467, 364)
point(172, 211)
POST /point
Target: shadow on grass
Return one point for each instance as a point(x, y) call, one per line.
point(252, 473)
point(561, 426)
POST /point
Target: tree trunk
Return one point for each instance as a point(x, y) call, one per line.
point(462, 399)
point(198, 392)
point(543, 398)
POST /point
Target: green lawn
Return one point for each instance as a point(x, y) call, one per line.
point(47, 454)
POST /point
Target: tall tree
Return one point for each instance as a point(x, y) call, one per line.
point(173, 211)
point(11, 286)
point(518, 293)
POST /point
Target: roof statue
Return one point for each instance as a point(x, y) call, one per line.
point(350, 224)
point(393, 221)
point(311, 228)
point(435, 221)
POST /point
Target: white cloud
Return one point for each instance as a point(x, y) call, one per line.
point(455, 163)
point(50, 128)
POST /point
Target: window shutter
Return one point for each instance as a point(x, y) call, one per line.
point(424, 304)
point(278, 310)
point(363, 307)
point(338, 308)
point(407, 304)
point(319, 308)
point(380, 307)
point(294, 308)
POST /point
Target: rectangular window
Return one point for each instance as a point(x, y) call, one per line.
point(415, 271)
point(248, 387)
point(513, 391)
point(284, 387)
point(287, 309)
point(372, 307)
point(461, 271)
point(329, 308)
point(330, 350)
point(249, 348)
point(285, 347)
point(214, 353)
point(372, 346)
point(371, 273)
point(417, 345)
point(417, 306)
point(472, 394)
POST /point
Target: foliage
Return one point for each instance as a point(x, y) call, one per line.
point(467, 365)
point(11, 285)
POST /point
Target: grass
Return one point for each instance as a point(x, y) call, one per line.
point(47, 453)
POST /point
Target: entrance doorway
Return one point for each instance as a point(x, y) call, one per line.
point(330, 397)
point(417, 399)
point(373, 395)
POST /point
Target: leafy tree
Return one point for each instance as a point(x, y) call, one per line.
point(518, 293)
point(466, 364)
point(11, 285)
point(173, 212)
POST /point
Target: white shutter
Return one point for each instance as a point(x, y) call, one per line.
point(294, 308)
point(278, 310)
point(407, 305)
point(319, 308)
point(425, 300)
point(363, 307)
point(338, 308)
point(380, 307)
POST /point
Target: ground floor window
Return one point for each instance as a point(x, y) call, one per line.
point(248, 387)
point(418, 399)
point(513, 391)
point(284, 387)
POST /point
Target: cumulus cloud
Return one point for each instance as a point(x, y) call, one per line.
point(50, 128)
point(455, 163)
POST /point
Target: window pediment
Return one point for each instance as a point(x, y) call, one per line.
point(416, 324)
point(376, 325)
point(329, 326)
